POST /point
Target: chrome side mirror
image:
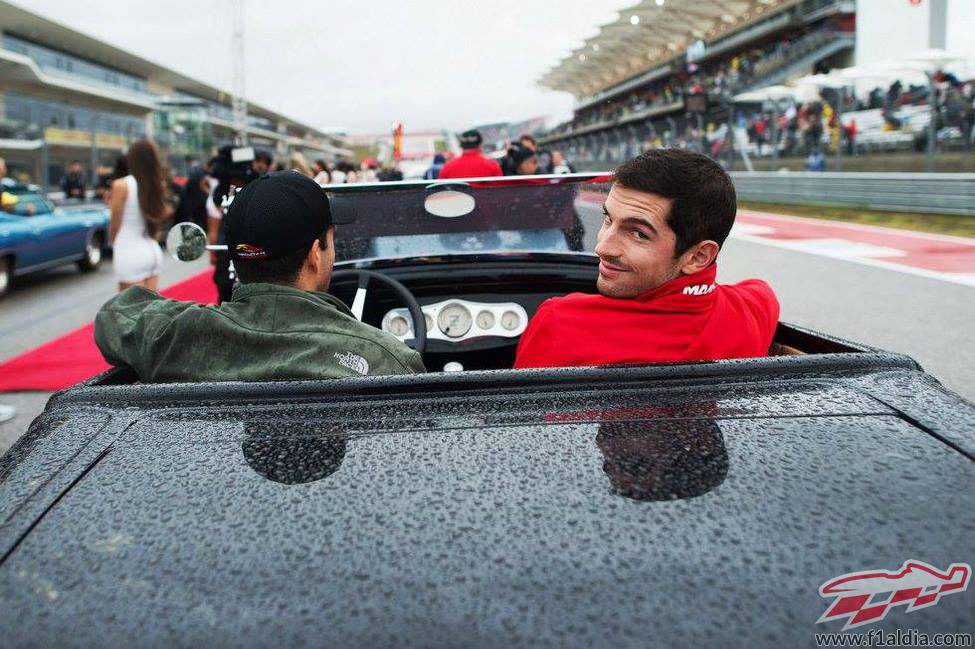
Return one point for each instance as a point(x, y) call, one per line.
point(188, 242)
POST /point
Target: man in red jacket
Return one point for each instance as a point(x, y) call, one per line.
point(665, 219)
point(470, 163)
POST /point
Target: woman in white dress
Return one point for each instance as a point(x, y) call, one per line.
point(139, 208)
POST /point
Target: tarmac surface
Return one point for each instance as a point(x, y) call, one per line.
point(925, 317)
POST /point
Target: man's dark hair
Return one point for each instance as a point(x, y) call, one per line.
point(281, 270)
point(526, 136)
point(703, 195)
point(263, 156)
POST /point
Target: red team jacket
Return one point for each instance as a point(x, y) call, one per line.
point(470, 164)
point(686, 319)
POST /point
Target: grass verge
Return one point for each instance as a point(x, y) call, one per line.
point(962, 226)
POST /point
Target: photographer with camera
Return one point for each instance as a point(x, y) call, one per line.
point(233, 167)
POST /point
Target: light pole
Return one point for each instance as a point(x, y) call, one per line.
point(840, 96)
point(932, 123)
point(94, 149)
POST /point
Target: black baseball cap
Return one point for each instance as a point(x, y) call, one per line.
point(519, 153)
point(470, 139)
point(276, 214)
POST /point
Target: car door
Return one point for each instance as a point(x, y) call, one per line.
point(55, 234)
point(70, 228)
point(17, 238)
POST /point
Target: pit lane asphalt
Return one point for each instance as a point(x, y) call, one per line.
point(928, 319)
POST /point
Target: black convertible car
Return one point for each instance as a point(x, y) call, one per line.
point(703, 504)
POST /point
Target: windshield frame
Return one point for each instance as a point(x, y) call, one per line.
point(346, 214)
point(497, 181)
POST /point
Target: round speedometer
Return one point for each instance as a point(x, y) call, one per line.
point(454, 320)
point(398, 326)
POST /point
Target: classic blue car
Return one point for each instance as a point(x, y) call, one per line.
point(35, 234)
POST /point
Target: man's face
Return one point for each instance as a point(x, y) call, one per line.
point(75, 168)
point(3, 169)
point(635, 245)
point(259, 165)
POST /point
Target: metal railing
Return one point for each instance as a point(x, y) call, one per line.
point(939, 193)
point(921, 193)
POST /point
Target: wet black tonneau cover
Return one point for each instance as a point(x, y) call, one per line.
point(698, 506)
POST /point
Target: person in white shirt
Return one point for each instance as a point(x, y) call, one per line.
point(138, 209)
point(322, 177)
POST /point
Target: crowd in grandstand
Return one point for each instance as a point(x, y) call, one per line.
point(893, 116)
point(732, 74)
point(898, 114)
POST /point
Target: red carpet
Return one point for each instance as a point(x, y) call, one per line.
point(74, 357)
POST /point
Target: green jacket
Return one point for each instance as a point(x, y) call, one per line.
point(267, 332)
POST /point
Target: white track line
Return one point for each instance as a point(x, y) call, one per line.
point(796, 245)
point(859, 227)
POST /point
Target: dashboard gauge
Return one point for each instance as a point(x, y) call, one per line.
point(429, 320)
point(398, 326)
point(510, 320)
point(485, 320)
point(454, 320)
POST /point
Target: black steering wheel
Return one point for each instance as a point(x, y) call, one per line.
point(358, 303)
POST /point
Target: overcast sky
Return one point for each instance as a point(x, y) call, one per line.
point(360, 65)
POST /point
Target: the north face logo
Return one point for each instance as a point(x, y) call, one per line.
point(354, 362)
point(700, 289)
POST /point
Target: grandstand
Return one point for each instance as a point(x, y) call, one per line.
point(665, 73)
point(703, 76)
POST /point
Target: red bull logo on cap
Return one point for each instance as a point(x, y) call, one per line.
point(248, 251)
point(867, 596)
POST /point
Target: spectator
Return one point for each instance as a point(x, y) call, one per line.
point(433, 172)
point(350, 174)
point(322, 177)
point(367, 171)
point(851, 137)
point(816, 161)
point(261, 164)
point(337, 173)
point(73, 182)
point(193, 198)
point(138, 211)
point(560, 165)
point(104, 183)
point(528, 142)
point(390, 173)
point(343, 172)
point(522, 161)
point(298, 163)
point(471, 163)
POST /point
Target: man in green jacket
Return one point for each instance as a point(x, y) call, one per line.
point(280, 323)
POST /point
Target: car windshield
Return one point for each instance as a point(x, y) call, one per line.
point(28, 202)
point(550, 214)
